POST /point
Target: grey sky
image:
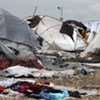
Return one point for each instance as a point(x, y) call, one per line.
point(72, 9)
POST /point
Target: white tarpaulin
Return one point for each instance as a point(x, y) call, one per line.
point(49, 29)
point(95, 40)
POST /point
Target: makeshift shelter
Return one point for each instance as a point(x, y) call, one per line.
point(94, 42)
point(16, 34)
point(17, 42)
point(69, 25)
point(49, 29)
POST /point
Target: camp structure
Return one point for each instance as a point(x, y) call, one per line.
point(93, 49)
point(15, 35)
point(52, 37)
point(17, 42)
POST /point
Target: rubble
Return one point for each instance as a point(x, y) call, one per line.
point(43, 63)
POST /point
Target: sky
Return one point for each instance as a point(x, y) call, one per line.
point(83, 10)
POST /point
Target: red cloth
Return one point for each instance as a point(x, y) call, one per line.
point(2, 88)
point(5, 63)
point(23, 88)
point(33, 87)
point(27, 63)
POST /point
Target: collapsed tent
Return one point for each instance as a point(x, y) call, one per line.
point(94, 45)
point(16, 34)
point(48, 28)
point(69, 25)
point(17, 42)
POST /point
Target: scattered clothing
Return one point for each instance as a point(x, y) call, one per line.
point(7, 82)
point(39, 90)
point(2, 88)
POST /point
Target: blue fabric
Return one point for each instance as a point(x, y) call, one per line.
point(33, 94)
point(18, 86)
point(54, 96)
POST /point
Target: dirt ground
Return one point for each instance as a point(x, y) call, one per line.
point(78, 82)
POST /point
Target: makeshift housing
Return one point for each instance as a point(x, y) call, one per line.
point(17, 42)
point(94, 42)
point(49, 29)
point(16, 34)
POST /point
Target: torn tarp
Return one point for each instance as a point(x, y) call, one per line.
point(15, 29)
point(20, 71)
point(69, 25)
point(7, 51)
point(49, 29)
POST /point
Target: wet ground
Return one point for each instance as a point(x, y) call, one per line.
point(79, 82)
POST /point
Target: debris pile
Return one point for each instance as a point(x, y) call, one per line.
point(49, 50)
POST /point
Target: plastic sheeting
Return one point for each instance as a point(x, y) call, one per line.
point(15, 29)
point(49, 29)
point(95, 41)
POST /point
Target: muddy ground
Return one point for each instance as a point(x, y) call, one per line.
point(77, 82)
